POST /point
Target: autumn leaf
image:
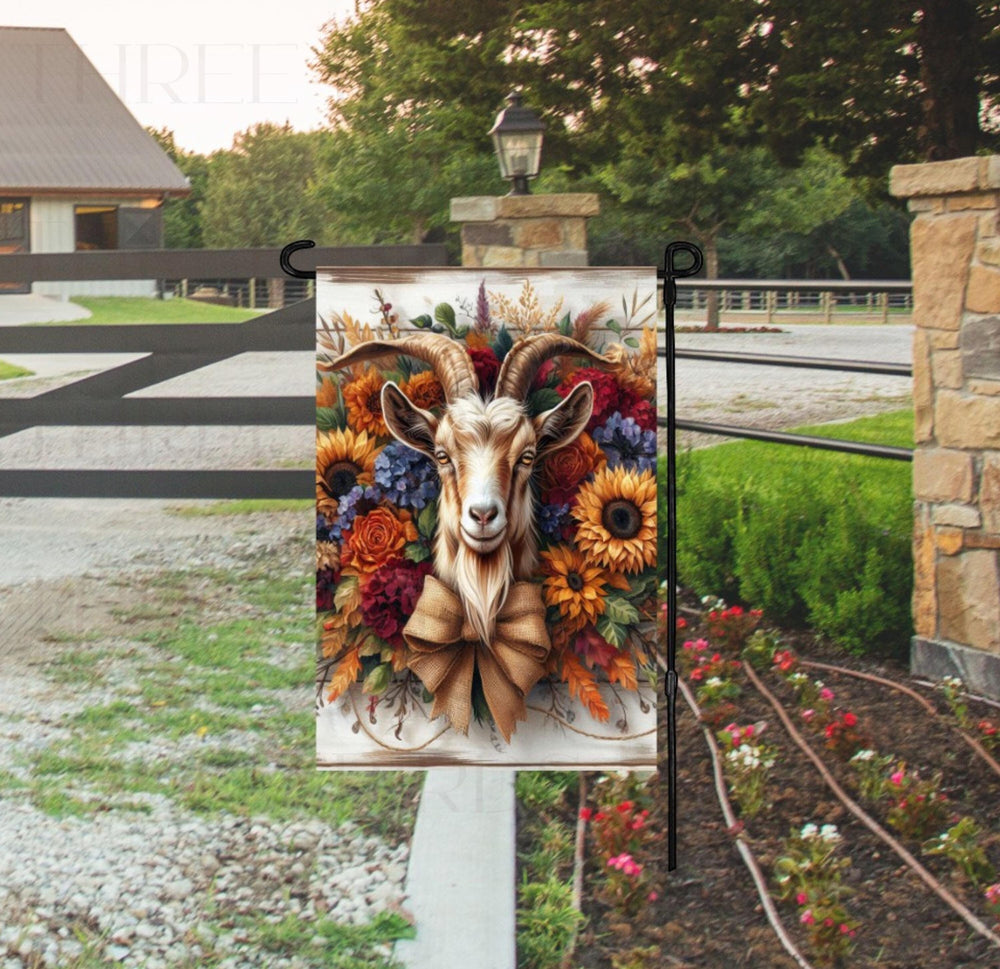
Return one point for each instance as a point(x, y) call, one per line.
point(347, 672)
point(621, 669)
point(583, 686)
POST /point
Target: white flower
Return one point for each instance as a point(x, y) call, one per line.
point(809, 831)
point(863, 755)
point(829, 832)
point(713, 681)
point(955, 682)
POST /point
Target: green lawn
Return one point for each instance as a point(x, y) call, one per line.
point(9, 370)
point(118, 310)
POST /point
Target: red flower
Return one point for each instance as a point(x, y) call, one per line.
point(644, 414)
point(586, 814)
point(608, 395)
point(389, 596)
point(487, 367)
point(850, 720)
point(624, 807)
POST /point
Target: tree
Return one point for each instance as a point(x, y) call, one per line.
point(877, 81)
point(260, 191)
point(182, 216)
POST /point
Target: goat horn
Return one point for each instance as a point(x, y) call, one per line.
point(527, 355)
point(450, 362)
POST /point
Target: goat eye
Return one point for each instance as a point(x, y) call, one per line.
point(442, 458)
point(527, 459)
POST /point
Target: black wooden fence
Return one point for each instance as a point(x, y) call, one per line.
point(99, 400)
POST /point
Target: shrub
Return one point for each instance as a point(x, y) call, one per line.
point(808, 536)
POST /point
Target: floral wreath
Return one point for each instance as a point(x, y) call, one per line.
point(595, 505)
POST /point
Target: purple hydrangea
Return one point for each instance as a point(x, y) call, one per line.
point(407, 477)
point(358, 501)
point(626, 444)
point(322, 529)
point(553, 522)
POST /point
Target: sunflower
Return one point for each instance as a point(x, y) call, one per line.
point(424, 390)
point(575, 584)
point(363, 397)
point(616, 513)
point(343, 459)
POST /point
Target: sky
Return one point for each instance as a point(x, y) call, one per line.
point(203, 68)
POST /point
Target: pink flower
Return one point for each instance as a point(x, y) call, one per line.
point(807, 917)
point(826, 694)
point(652, 897)
point(897, 778)
point(850, 720)
point(801, 898)
point(844, 928)
point(807, 715)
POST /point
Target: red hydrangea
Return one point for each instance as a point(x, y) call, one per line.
point(644, 414)
point(487, 366)
point(389, 596)
point(608, 395)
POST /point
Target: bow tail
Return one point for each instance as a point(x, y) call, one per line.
point(504, 698)
point(448, 675)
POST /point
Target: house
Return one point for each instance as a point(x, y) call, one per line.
point(77, 171)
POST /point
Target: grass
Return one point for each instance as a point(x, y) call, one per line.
point(220, 692)
point(120, 310)
point(8, 371)
point(244, 506)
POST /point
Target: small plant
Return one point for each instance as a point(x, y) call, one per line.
point(871, 772)
point(988, 734)
point(962, 843)
point(716, 686)
point(746, 765)
point(992, 896)
point(918, 806)
point(547, 923)
point(785, 662)
point(760, 649)
point(622, 837)
point(842, 734)
point(808, 873)
point(732, 627)
point(954, 694)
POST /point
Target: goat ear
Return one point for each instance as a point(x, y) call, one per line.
point(408, 423)
point(562, 425)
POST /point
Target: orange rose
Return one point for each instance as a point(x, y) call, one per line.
point(564, 470)
point(376, 539)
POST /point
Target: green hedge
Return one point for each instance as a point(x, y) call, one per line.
point(811, 537)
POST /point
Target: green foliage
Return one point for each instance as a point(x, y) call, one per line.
point(259, 192)
point(809, 537)
point(542, 791)
point(547, 923)
point(182, 216)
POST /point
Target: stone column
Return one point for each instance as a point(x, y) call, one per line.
point(955, 243)
point(524, 230)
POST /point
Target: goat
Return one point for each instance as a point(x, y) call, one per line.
point(485, 451)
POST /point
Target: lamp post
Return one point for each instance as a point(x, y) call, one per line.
point(517, 141)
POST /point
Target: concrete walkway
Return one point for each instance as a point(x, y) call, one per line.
point(19, 308)
point(460, 883)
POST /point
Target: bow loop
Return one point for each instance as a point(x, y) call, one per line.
point(444, 651)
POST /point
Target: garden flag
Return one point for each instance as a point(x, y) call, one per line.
point(486, 517)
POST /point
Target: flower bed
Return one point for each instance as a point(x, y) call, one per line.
point(844, 896)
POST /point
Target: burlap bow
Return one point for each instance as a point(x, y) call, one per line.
point(445, 650)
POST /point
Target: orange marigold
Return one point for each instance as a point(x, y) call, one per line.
point(616, 515)
point(363, 397)
point(376, 539)
point(425, 390)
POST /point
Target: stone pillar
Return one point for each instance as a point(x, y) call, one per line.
point(955, 243)
point(524, 230)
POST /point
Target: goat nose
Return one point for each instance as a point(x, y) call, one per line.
point(485, 513)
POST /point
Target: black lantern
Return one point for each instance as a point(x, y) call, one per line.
point(517, 141)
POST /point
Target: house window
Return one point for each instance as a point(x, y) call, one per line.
point(96, 227)
point(13, 236)
point(119, 226)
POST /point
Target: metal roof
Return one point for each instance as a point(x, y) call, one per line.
point(62, 128)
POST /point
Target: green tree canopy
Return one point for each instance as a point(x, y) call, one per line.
point(260, 191)
point(182, 216)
